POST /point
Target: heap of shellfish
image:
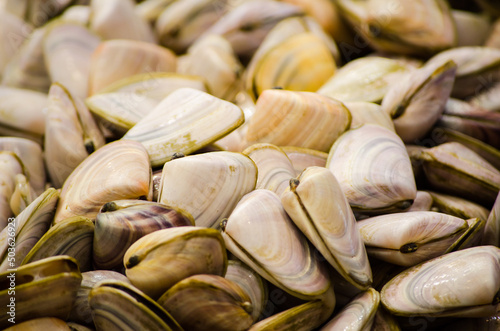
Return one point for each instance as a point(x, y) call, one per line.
point(249, 165)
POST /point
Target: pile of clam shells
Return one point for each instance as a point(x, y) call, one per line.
point(249, 165)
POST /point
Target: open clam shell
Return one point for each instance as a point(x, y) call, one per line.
point(208, 302)
point(208, 185)
point(184, 122)
point(302, 119)
point(46, 288)
point(117, 306)
point(162, 258)
point(448, 285)
point(118, 170)
point(259, 218)
point(72, 237)
point(274, 168)
point(373, 169)
point(316, 204)
point(359, 314)
point(409, 238)
point(121, 223)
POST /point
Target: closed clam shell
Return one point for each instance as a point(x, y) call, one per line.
point(117, 305)
point(373, 169)
point(118, 58)
point(45, 288)
point(258, 219)
point(359, 314)
point(251, 283)
point(455, 169)
point(417, 101)
point(208, 302)
point(68, 48)
point(72, 237)
point(30, 225)
point(160, 259)
point(42, 323)
point(463, 283)
point(208, 185)
point(316, 204)
point(303, 62)
point(302, 158)
point(184, 122)
point(118, 170)
point(117, 19)
point(120, 223)
point(71, 134)
point(274, 168)
point(302, 119)
point(410, 238)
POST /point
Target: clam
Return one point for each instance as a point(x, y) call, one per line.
point(118, 58)
point(121, 223)
point(417, 27)
point(302, 158)
point(77, 13)
point(181, 23)
point(251, 283)
point(491, 235)
point(409, 238)
point(68, 48)
point(363, 112)
point(71, 134)
point(447, 285)
point(157, 261)
point(316, 204)
point(117, 305)
point(118, 170)
point(274, 168)
point(10, 166)
point(247, 24)
point(373, 169)
point(42, 323)
point(455, 169)
point(218, 180)
point(208, 302)
point(359, 314)
point(22, 196)
point(417, 101)
point(46, 288)
point(423, 202)
point(212, 58)
point(365, 79)
point(30, 225)
point(472, 28)
point(184, 122)
point(72, 237)
point(302, 119)
point(11, 25)
point(150, 10)
point(81, 312)
point(458, 207)
point(258, 219)
point(117, 19)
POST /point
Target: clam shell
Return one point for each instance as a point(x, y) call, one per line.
point(302, 62)
point(120, 223)
point(67, 49)
point(79, 13)
point(118, 19)
point(458, 207)
point(150, 10)
point(208, 186)
point(184, 122)
point(472, 28)
point(359, 314)
point(302, 119)
point(42, 323)
point(162, 258)
point(259, 218)
point(409, 238)
point(30, 225)
point(208, 302)
point(22, 196)
point(72, 237)
point(118, 170)
point(373, 169)
point(330, 227)
point(302, 158)
point(363, 112)
point(274, 168)
point(11, 25)
point(46, 288)
point(423, 202)
point(117, 59)
point(71, 134)
point(491, 235)
point(10, 167)
point(447, 285)
point(118, 306)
